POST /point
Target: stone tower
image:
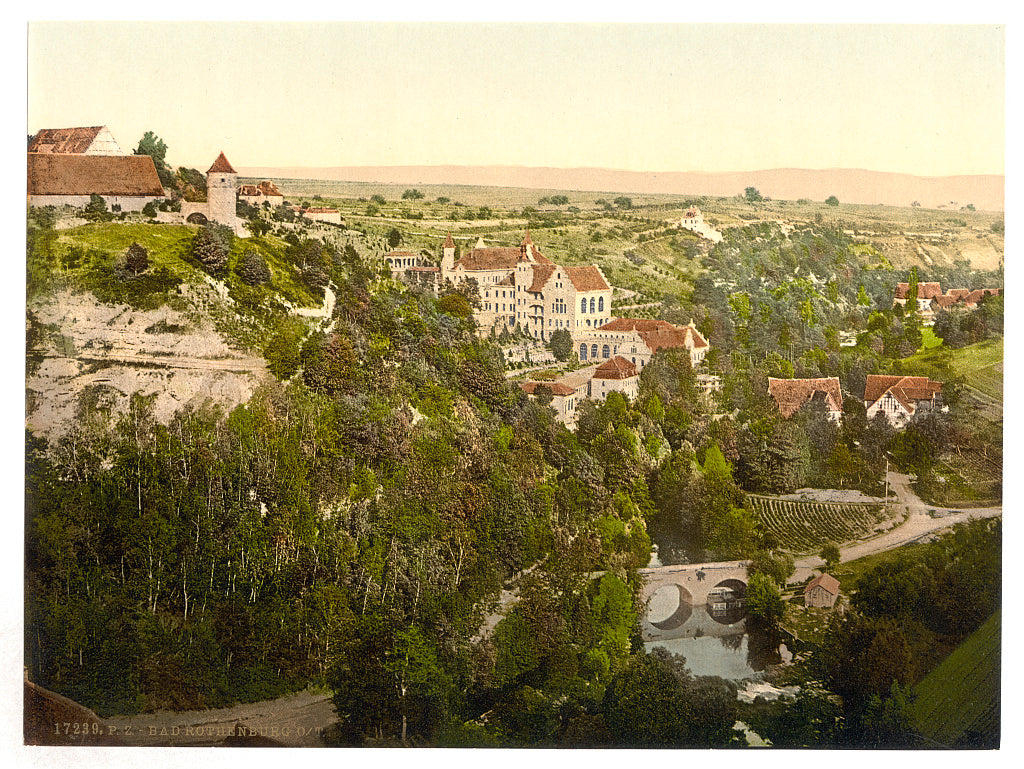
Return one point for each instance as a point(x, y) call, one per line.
point(447, 256)
point(221, 191)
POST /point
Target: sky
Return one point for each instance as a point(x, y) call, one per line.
point(925, 100)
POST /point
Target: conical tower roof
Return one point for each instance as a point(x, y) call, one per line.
point(221, 166)
point(449, 242)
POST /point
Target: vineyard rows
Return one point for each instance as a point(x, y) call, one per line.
point(803, 527)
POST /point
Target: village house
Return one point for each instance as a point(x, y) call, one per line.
point(900, 397)
point(930, 298)
point(91, 140)
point(522, 287)
point(564, 399)
point(323, 214)
point(822, 592)
point(125, 182)
point(693, 220)
point(258, 194)
point(638, 339)
point(615, 375)
point(221, 199)
point(790, 395)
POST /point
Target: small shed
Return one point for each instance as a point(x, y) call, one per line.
point(822, 591)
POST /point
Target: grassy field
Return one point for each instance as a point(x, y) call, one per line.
point(960, 698)
point(980, 364)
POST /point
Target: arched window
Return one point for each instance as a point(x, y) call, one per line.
point(583, 352)
point(600, 304)
point(593, 351)
point(583, 305)
point(605, 352)
point(592, 304)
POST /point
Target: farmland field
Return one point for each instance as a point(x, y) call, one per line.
point(804, 526)
point(957, 704)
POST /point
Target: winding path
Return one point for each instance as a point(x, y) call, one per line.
point(917, 524)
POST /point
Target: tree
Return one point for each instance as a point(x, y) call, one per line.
point(209, 249)
point(252, 269)
point(136, 259)
point(830, 555)
point(152, 145)
point(394, 237)
point(764, 601)
point(412, 194)
point(831, 200)
point(561, 344)
point(96, 209)
point(623, 202)
point(752, 195)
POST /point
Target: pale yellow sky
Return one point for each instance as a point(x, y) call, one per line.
point(926, 100)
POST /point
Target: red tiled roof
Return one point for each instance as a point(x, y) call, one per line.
point(957, 294)
point(490, 258)
point(944, 301)
point(557, 388)
point(658, 334)
point(924, 290)
point(399, 253)
point(827, 581)
point(269, 188)
point(70, 141)
point(906, 389)
point(221, 166)
point(128, 175)
point(449, 242)
point(541, 274)
point(791, 394)
point(587, 278)
point(249, 190)
point(976, 296)
point(615, 368)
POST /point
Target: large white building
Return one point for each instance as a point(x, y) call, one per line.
point(522, 287)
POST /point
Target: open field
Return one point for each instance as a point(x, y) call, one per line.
point(803, 527)
point(902, 235)
point(958, 702)
point(981, 365)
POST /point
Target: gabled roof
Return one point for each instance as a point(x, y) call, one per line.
point(924, 290)
point(541, 275)
point(906, 389)
point(557, 388)
point(269, 188)
point(616, 368)
point(490, 258)
point(221, 166)
point(658, 334)
point(790, 394)
point(69, 141)
point(127, 175)
point(587, 278)
point(827, 581)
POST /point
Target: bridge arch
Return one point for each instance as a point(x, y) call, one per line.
point(196, 218)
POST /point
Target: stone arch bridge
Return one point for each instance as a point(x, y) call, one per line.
point(671, 592)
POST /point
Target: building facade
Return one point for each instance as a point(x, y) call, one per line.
point(221, 199)
point(638, 339)
point(522, 287)
point(899, 398)
point(790, 395)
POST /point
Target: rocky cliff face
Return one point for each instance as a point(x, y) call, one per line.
point(84, 355)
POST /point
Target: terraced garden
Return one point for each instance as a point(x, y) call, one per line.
point(804, 526)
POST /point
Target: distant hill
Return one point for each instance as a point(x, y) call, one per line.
point(850, 185)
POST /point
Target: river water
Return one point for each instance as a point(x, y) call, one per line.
point(713, 638)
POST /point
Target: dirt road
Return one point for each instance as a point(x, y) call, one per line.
point(921, 519)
